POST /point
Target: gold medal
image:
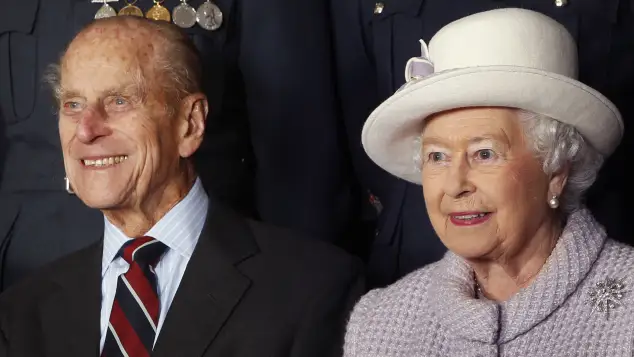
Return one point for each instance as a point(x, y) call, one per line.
point(158, 12)
point(130, 10)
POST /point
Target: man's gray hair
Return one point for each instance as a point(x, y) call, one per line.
point(558, 145)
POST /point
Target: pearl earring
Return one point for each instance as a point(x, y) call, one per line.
point(553, 202)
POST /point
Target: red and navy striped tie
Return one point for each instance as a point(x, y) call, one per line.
point(135, 311)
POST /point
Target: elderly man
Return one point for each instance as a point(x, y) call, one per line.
point(270, 151)
point(176, 274)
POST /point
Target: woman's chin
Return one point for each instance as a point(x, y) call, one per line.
point(470, 251)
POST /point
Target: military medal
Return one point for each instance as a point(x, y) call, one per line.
point(209, 16)
point(130, 9)
point(105, 10)
point(184, 15)
point(158, 12)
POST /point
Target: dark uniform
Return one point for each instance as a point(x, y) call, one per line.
point(373, 41)
point(269, 62)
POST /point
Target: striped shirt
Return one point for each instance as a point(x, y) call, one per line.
point(179, 230)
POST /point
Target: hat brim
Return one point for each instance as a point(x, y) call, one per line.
point(391, 132)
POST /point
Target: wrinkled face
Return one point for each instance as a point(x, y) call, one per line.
point(486, 193)
point(118, 141)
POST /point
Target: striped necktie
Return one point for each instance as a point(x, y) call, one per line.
point(134, 317)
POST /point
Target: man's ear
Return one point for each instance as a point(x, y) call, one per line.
point(558, 182)
point(192, 121)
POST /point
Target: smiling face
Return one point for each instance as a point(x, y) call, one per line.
point(485, 191)
point(119, 143)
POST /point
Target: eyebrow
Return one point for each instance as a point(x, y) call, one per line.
point(125, 90)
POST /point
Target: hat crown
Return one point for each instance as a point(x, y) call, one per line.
point(510, 58)
point(505, 37)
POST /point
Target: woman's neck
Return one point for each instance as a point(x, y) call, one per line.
point(502, 277)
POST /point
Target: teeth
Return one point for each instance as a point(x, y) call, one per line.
point(470, 216)
point(106, 161)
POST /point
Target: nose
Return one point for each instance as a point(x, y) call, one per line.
point(91, 126)
point(457, 182)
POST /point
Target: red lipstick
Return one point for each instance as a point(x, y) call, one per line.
point(469, 218)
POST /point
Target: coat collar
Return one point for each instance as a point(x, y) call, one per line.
point(211, 287)
point(482, 320)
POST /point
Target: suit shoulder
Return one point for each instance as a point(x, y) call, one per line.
point(28, 291)
point(295, 246)
point(24, 294)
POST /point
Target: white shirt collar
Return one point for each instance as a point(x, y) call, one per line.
point(179, 229)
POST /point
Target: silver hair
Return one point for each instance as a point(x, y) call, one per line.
point(179, 62)
point(52, 77)
point(556, 145)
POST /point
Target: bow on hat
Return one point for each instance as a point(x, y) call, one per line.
point(419, 67)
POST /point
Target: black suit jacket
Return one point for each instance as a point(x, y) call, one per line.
point(248, 290)
point(271, 148)
point(372, 45)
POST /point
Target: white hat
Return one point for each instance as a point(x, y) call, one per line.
point(504, 58)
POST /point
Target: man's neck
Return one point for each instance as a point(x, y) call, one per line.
point(137, 220)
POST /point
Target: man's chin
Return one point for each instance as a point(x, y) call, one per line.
point(98, 201)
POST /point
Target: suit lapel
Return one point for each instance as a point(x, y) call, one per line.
point(71, 312)
point(211, 287)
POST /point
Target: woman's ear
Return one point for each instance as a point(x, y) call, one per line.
point(558, 182)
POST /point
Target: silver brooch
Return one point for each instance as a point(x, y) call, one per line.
point(606, 295)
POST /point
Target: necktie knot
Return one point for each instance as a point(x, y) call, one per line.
point(144, 251)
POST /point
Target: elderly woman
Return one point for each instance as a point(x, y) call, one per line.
point(508, 142)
